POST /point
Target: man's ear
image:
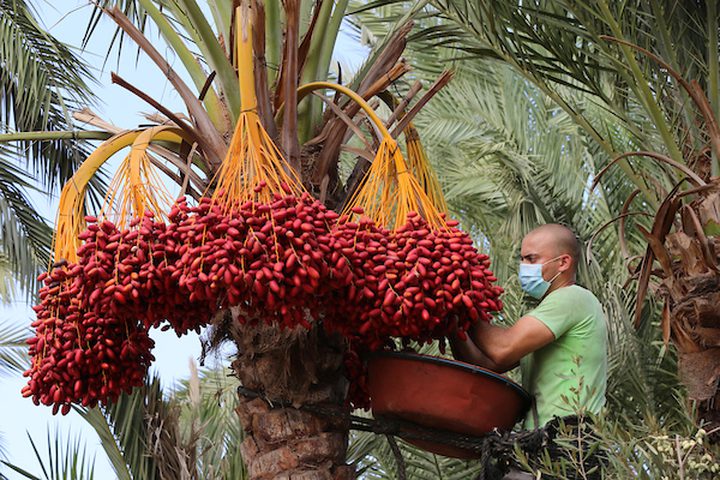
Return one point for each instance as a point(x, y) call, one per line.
point(565, 262)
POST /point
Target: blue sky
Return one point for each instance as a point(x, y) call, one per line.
point(67, 19)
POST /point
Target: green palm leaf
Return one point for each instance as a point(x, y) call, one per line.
point(25, 237)
point(64, 459)
point(126, 430)
point(13, 349)
point(41, 80)
point(208, 400)
point(194, 433)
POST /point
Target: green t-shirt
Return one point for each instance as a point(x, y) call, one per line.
point(578, 354)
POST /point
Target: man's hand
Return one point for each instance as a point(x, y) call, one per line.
point(467, 351)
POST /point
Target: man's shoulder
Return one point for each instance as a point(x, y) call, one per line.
point(572, 301)
point(571, 293)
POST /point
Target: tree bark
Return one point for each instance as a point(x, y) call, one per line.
point(692, 315)
point(696, 334)
point(291, 369)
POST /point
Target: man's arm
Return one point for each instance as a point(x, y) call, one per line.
point(506, 346)
point(467, 351)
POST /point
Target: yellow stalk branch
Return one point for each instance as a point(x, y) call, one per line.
point(70, 221)
point(136, 187)
point(390, 191)
point(254, 167)
point(311, 87)
point(420, 165)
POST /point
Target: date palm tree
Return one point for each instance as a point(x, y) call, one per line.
point(502, 157)
point(292, 46)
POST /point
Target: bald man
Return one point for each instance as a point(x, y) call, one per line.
point(561, 345)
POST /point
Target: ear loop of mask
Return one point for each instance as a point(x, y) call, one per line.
point(558, 274)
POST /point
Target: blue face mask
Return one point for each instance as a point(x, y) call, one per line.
point(532, 281)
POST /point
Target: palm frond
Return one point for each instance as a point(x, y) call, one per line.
point(208, 400)
point(63, 459)
point(374, 459)
point(194, 433)
point(643, 379)
point(25, 237)
point(8, 280)
point(100, 424)
point(130, 8)
point(139, 434)
point(3, 450)
point(13, 349)
point(41, 80)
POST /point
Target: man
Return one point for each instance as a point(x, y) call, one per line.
point(561, 345)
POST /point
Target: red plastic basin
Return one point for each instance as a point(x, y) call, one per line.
point(446, 394)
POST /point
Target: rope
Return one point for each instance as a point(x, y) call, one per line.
point(484, 459)
point(402, 472)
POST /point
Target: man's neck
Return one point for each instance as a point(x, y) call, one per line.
point(560, 283)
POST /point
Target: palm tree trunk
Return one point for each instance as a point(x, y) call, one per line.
point(691, 317)
point(291, 368)
point(695, 324)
